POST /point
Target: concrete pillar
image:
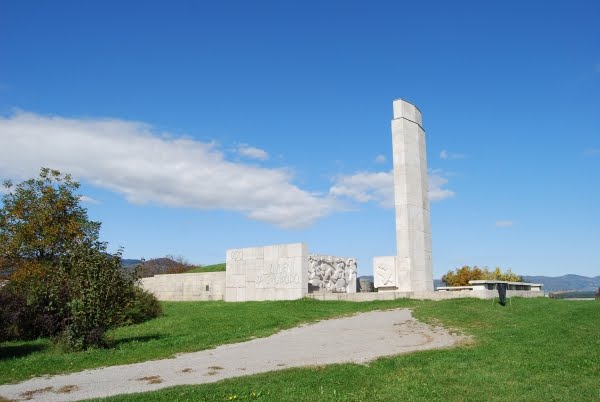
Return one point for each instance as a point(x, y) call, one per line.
point(413, 233)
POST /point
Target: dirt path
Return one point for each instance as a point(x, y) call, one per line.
point(356, 339)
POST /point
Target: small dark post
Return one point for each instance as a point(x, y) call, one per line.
point(502, 287)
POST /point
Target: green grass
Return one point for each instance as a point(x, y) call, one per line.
point(534, 349)
point(208, 268)
point(185, 327)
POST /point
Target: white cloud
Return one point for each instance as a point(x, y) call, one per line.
point(130, 158)
point(449, 155)
point(380, 159)
point(437, 181)
point(89, 200)
point(592, 151)
point(378, 187)
point(504, 224)
point(366, 186)
point(252, 152)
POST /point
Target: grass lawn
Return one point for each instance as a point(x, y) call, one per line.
point(533, 349)
point(208, 268)
point(185, 327)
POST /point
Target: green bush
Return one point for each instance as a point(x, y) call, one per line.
point(62, 282)
point(143, 307)
point(98, 294)
point(13, 314)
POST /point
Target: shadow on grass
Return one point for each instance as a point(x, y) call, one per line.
point(13, 351)
point(135, 339)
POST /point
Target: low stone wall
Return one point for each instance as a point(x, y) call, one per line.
point(492, 284)
point(371, 296)
point(478, 294)
point(186, 287)
point(360, 297)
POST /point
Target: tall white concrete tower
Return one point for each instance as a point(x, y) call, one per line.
point(411, 269)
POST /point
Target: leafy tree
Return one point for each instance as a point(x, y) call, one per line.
point(462, 276)
point(62, 283)
point(497, 274)
point(41, 219)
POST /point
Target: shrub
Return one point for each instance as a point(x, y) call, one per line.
point(40, 294)
point(143, 307)
point(62, 281)
point(98, 294)
point(15, 317)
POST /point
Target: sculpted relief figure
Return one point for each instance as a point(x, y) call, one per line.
point(351, 269)
point(314, 272)
point(331, 274)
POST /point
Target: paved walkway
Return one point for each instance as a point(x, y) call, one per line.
point(356, 339)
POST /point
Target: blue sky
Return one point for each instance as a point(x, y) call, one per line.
point(200, 126)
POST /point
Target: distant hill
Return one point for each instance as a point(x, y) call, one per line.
point(128, 262)
point(551, 283)
point(156, 266)
point(566, 282)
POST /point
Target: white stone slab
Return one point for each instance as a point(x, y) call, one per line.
point(276, 272)
point(384, 272)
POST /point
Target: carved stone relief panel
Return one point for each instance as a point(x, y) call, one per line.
point(332, 274)
point(384, 272)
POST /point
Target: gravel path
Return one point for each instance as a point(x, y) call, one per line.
point(356, 339)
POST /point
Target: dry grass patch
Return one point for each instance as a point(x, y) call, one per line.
point(67, 389)
point(30, 394)
point(153, 379)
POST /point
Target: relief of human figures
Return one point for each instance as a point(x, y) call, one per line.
point(332, 274)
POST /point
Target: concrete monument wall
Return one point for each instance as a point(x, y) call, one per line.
point(276, 272)
point(186, 287)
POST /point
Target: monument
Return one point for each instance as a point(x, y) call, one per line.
point(410, 270)
point(288, 271)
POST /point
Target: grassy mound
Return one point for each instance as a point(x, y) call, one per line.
point(208, 268)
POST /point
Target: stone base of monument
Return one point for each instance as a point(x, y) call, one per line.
point(391, 295)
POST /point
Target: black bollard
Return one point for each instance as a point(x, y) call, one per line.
point(502, 287)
